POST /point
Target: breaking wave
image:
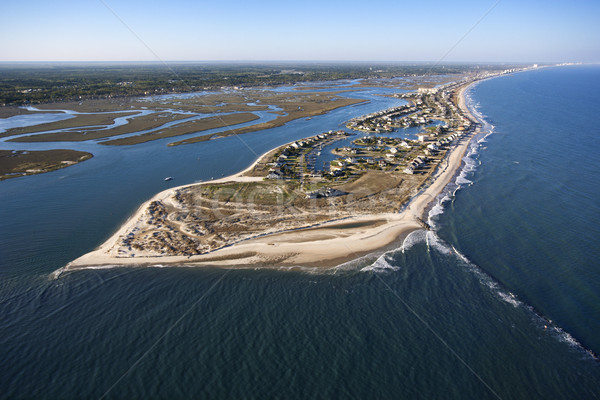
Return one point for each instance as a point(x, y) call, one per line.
point(413, 238)
point(382, 264)
point(434, 242)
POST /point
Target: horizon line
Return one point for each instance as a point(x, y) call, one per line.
point(284, 62)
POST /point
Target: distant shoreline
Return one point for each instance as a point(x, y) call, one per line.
point(320, 245)
point(126, 80)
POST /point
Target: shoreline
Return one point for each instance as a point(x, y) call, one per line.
point(320, 245)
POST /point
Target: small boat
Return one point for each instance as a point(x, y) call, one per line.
point(168, 178)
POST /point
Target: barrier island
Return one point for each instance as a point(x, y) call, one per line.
point(285, 211)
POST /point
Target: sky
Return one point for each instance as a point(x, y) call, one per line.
point(308, 30)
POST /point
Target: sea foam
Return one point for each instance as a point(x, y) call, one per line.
point(381, 265)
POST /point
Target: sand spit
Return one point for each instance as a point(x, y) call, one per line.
point(324, 243)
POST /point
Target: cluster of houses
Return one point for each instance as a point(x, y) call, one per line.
point(389, 149)
point(387, 120)
point(378, 152)
point(437, 104)
point(425, 104)
point(434, 140)
point(281, 167)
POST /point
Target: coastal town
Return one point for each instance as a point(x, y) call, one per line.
point(302, 201)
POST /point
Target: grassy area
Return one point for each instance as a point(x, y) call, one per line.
point(253, 193)
point(7, 112)
point(301, 107)
point(78, 121)
point(188, 127)
point(136, 124)
point(82, 127)
point(20, 163)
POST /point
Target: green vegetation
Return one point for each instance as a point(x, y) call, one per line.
point(257, 193)
point(77, 121)
point(30, 83)
point(20, 163)
point(185, 128)
point(294, 107)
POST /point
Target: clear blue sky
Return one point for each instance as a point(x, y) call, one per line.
point(375, 30)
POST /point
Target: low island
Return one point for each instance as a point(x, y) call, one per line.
point(284, 211)
point(16, 163)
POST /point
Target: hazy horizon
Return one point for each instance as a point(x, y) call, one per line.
point(285, 62)
point(503, 31)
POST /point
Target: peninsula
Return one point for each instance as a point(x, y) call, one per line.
point(284, 211)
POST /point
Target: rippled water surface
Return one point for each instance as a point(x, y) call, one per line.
point(500, 300)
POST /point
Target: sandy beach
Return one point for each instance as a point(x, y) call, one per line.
point(326, 244)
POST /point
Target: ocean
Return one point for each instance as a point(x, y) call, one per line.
point(500, 300)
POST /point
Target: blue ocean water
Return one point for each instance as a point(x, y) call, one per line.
point(500, 300)
point(534, 208)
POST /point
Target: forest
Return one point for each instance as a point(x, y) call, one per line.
point(32, 83)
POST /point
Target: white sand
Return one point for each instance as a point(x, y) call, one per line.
point(322, 245)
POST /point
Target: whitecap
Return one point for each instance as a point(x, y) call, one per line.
point(507, 297)
point(461, 256)
point(381, 265)
point(412, 239)
point(434, 242)
point(462, 181)
point(435, 211)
